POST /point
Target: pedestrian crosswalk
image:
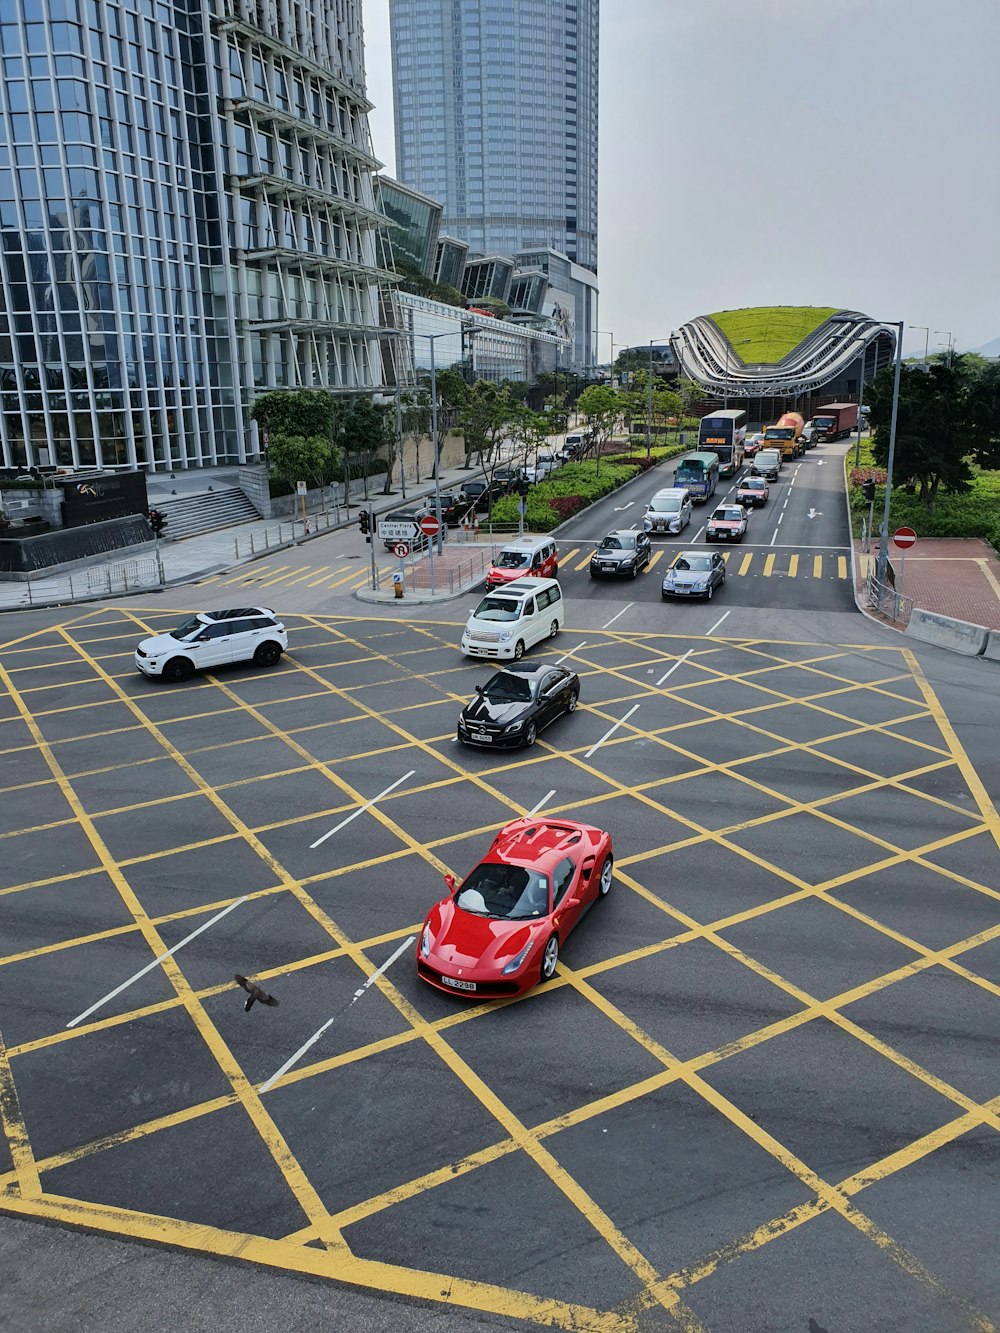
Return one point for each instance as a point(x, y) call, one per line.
point(264, 574)
point(744, 564)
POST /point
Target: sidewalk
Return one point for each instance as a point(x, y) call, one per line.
point(122, 571)
point(950, 576)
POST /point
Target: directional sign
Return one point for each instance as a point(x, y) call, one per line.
point(399, 530)
point(401, 549)
point(903, 538)
point(815, 513)
point(429, 525)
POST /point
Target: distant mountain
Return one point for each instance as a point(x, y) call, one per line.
point(990, 349)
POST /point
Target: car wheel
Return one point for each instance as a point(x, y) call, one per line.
point(530, 735)
point(711, 590)
point(178, 669)
point(635, 571)
point(663, 597)
point(553, 629)
point(550, 958)
point(723, 573)
point(518, 650)
point(607, 873)
point(572, 702)
point(555, 571)
point(267, 654)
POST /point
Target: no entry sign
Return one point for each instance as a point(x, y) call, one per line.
point(903, 538)
point(429, 525)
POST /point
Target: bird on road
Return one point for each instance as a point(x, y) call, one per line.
point(254, 992)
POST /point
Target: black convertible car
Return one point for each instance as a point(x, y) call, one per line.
point(515, 704)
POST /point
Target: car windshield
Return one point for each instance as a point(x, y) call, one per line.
point(615, 544)
point(668, 506)
point(497, 608)
point(752, 484)
point(506, 688)
point(190, 627)
point(728, 515)
point(513, 560)
point(510, 893)
point(698, 563)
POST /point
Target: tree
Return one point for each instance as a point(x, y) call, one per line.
point(485, 417)
point(602, 406)
point(414, 420)
point(934, 426)
point(366, 433)
point(452, 386)
point(294, 458)
point(499, 309)
point(692, 396)
point(296, 412)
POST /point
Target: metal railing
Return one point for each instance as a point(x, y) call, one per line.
point(886, 601)
point(285, 533)
point(42, 588)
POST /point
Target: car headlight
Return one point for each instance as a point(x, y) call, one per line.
point(506, 634)
point(514, 726)
point(628, 562)
point(426, 940)
point(518, 960)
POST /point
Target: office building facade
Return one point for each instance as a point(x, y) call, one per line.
point(187, 218)
point(496, 115)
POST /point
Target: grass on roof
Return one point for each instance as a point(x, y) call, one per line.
point(773, 330)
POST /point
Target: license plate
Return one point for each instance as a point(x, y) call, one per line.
point(607, 568)
point(459, 985)
point(481, 736)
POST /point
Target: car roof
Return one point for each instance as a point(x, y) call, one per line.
point(526, 668)
point(525, 587)
point(670, 490)
point(621, 532)
point(526, 544)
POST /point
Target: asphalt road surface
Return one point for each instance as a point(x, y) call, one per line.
point(760, 1094)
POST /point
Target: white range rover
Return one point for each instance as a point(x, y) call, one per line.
point(211, 639)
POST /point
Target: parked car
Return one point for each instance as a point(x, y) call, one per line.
point(574, 445)
point(500, 933)
point(694, 574)
point(543, 465)
point(622, 553)
point(453, 507)
point(212, 639)
point(506, 478)
point(517, 703)
point(478, 495)
point(668, 511)
point(752, 491)
point(727, 524)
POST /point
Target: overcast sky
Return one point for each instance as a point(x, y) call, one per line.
point(789, 152)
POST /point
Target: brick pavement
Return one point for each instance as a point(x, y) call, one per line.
point(951, 576)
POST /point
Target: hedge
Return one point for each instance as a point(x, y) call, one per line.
point(576, 485)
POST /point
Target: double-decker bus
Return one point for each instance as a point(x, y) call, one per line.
point(723, 433)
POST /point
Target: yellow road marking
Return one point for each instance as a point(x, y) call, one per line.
point(657, 555)
point(841, 566)
point(583, 564)
point(793, 566)
point(817, 566)
point(12, 1123)
point(746, 562)
point(768, 565)
point(330, 573)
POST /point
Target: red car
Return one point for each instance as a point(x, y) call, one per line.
point(500, 933)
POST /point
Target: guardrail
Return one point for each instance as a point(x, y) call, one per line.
point(886, 601)
point(41, 588)
point(285, 533)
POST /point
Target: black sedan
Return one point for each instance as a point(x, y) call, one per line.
point(621, 553)
point(517, 703)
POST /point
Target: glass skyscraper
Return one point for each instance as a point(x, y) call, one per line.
point(187, 218)
point(496, 116)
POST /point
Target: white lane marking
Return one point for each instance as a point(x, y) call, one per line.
point(156, 962)
point(775, 537)
point(610, 732)
point(544, 801)
point(717, 623)
point(620, 509)
point(625, 608)
point(293, 1059)
point(579, 647)
point(699, 532)
point(671, 670)
point(361, 809)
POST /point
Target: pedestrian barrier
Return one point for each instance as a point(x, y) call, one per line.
point(992, 648)
point(886, 601)
point(123, 577)
point(276, 535)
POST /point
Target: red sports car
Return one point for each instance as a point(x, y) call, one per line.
point(500, 933)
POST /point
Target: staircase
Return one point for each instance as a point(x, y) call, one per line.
point(189, 515)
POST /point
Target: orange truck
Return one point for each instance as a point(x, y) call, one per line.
point(786, 435)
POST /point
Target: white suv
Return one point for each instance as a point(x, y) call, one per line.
point(211, 639)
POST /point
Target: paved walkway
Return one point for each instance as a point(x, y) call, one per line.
point(951, 576)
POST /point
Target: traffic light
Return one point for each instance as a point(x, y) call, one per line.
point(868, 489)
point(365, 524)
point(157, 521)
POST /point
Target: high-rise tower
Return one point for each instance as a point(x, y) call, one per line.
point(496, 116)
point(187, 218)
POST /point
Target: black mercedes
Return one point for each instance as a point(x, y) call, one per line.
point(517, 703)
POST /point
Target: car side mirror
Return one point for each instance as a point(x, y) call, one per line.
point(450, 883)
point(480, 688)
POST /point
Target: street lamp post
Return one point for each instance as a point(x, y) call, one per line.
point(922, 328)
point(883, 546)
point(649, 401)
point(950, 344)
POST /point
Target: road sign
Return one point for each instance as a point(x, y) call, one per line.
point(429, 525)
point(904, 538)
point(300, 488)
point(401, 549)
point(396, 530)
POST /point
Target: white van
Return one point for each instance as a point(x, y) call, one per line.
point(513, 618)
